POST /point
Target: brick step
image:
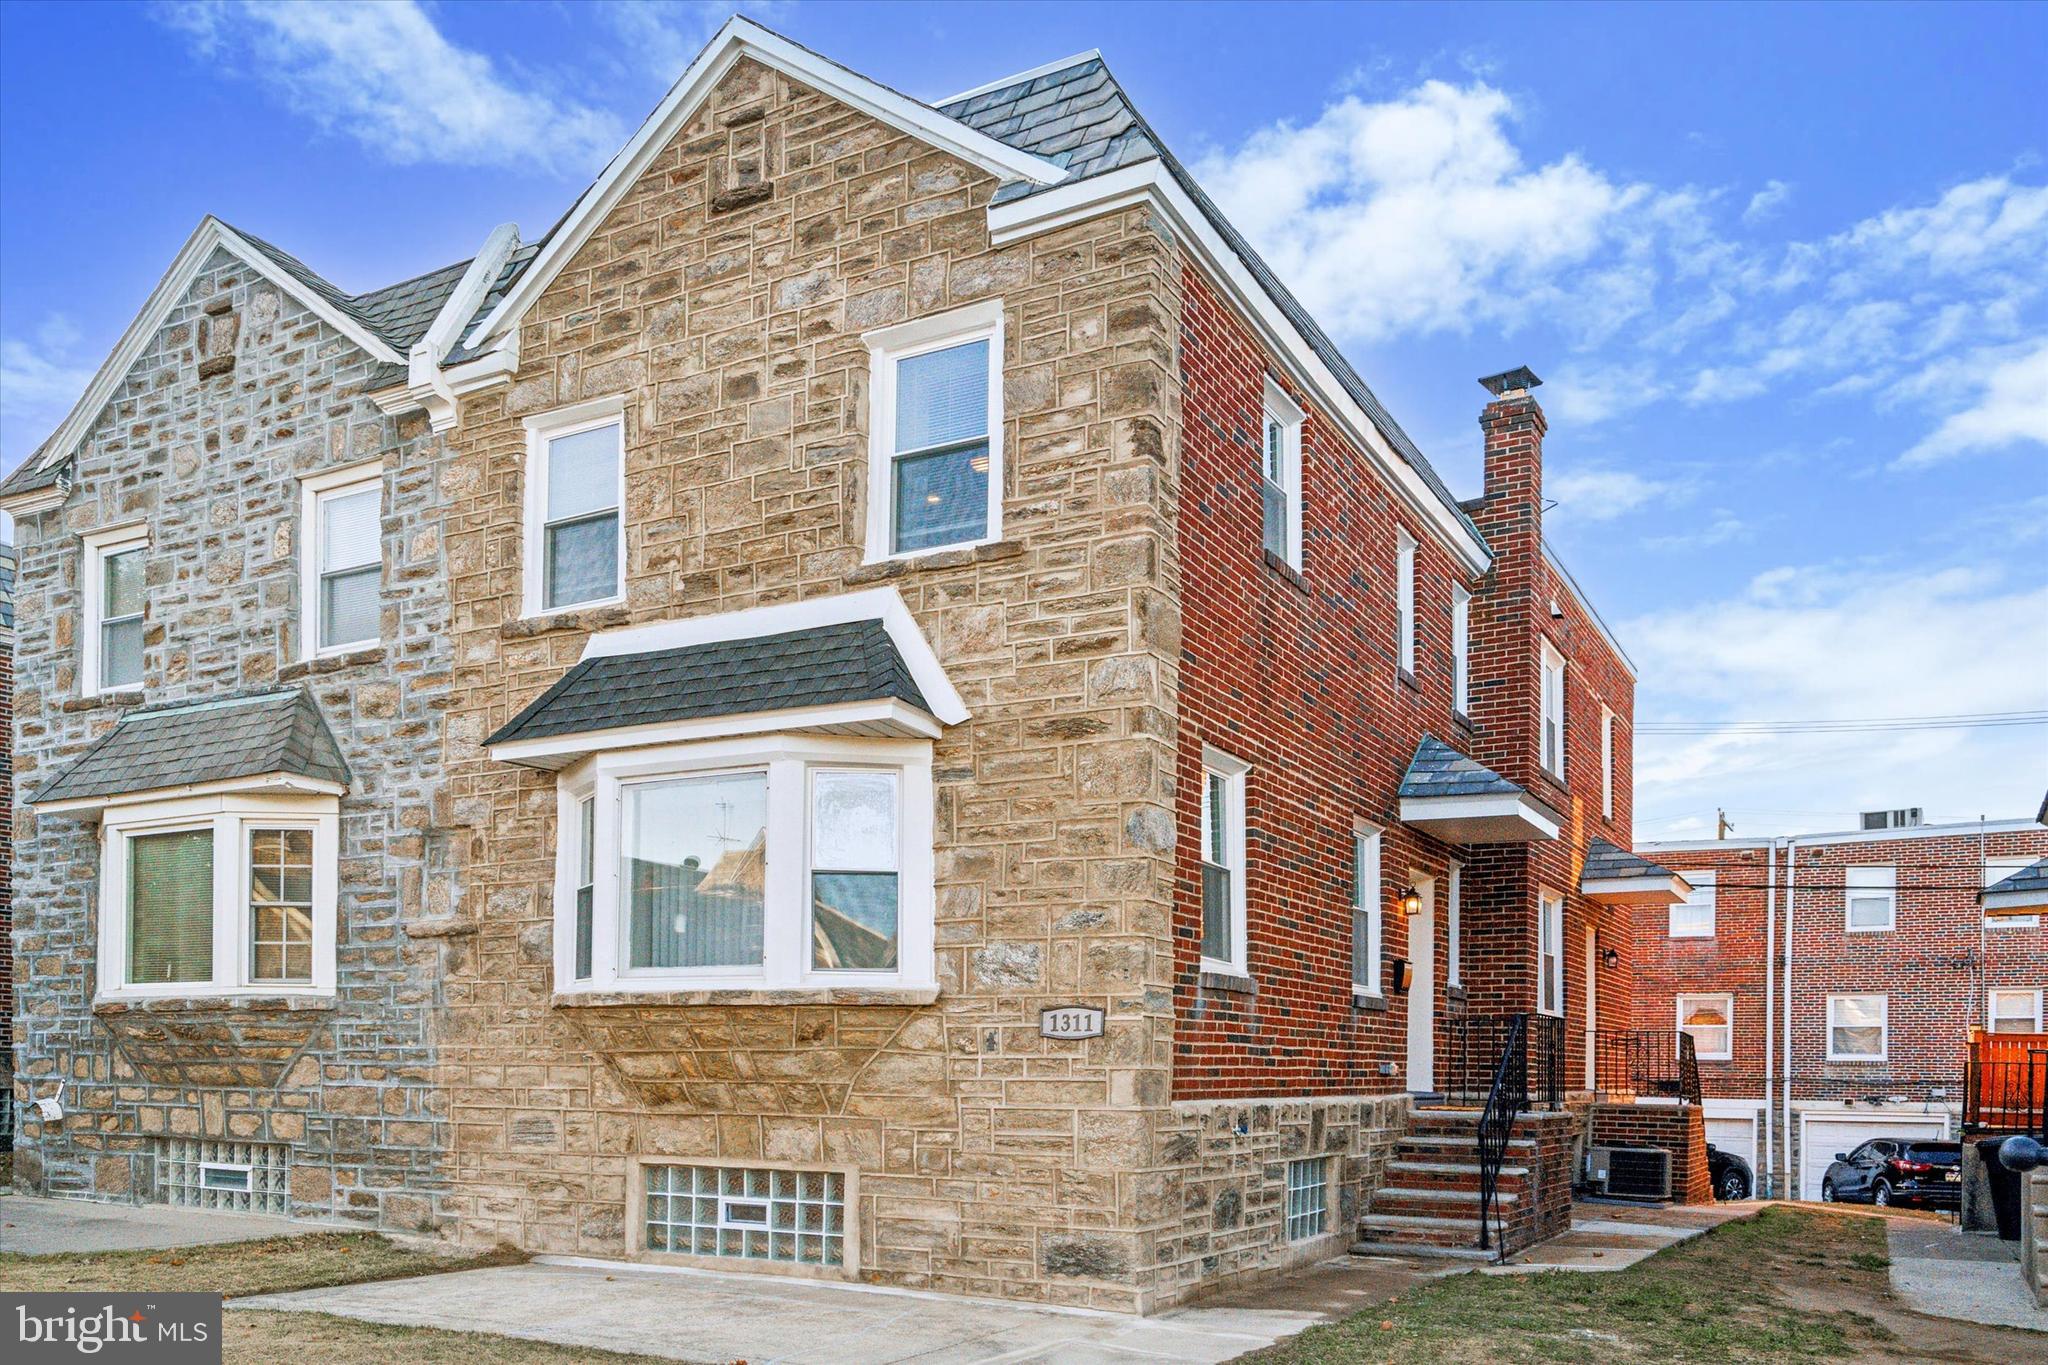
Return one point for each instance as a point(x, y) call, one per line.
point(1450, 1175)
point(1439, 1204)
point(1403, 1229)
point(1414, 1144)
point(1457, 1121)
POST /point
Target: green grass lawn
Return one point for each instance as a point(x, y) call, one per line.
point(1783, 1285)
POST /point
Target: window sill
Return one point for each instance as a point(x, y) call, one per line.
point(1288, 574)
point(584, 616)
point(747, 996)
point(1461, 720)
point(1368, 1003)
point(877, 570)
point(332, 662)
point(93, 701)
point(1408, 680)
point(291, 1002)
point(1229, 981)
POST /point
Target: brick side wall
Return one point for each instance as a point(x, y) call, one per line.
point(1679, 1129)
point(210, 465)
point(1731, 961)
point(7, 887)
point(989, 1160)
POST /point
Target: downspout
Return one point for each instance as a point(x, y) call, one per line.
point(1785, 1099)
point(1770, 979)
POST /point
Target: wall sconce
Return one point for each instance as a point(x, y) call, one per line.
point(1411, 901)
point(1610, 959)
point(1404, 974)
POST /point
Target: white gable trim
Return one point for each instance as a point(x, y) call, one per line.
point(1149, 183)
point(743, 38)
point(211, 234)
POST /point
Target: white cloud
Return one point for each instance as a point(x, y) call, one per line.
point(2011, 407)
point(1765, 203)
point(1838, 642)
point(1604, 494)
point(662, 37)
point(386, 76)
point(41, 377)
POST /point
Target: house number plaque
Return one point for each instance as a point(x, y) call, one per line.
point(1070, 1021)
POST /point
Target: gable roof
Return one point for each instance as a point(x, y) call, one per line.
point(188, 744)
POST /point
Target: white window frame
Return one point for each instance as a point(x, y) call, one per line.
point(1884, 1027)
point(1607, 762)
point(1702, 882)
point(1368, 900)
point(96, 548)
point(1997, 870)
point(1404, 591)
point(1553, 709)
point(788, 760)
point(231, 817)
point(1453, 922)
point(1236, 775)
point(1888, 883)
point(888, 347)
point(1991, 1016)
point(1727, 1003)
point(1277, 408)
point(1461, 650)
point(542, 428)
point(1550, 916)
point(314, 489)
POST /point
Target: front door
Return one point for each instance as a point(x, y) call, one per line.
point(1422, 991)
point(1592, 1007)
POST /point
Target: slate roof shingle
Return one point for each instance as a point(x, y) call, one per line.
point(32, 474)
point(9, 563)
point(848, 662)
point(2031, 879)
point(1606, 862)
point(186, 743)
point(1439, 770)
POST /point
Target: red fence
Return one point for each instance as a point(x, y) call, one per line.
point(2005, 1084)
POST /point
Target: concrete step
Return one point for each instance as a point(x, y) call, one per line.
point(1419, 1230)
point(1428, 1251)
point(1455, 1142)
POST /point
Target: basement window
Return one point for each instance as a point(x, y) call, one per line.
point(231, 1177)
point(1308, 1198)
point(747, 1213)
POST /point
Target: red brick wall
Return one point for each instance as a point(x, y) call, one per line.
point(1935, 966)
point(1680, 1129)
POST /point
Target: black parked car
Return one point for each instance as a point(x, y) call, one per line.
point(1730, 1174)
point(1886, 1171)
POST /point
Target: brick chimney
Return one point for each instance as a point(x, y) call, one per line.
point(1505, 621)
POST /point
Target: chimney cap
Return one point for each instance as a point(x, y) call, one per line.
point(1518, 380)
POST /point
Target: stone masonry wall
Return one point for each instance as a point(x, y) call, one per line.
point(725, 297)
point(242, 392)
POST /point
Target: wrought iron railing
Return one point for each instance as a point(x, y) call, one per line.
point(1646, 1062)
point(1476, 1043)
point(1506, 1098)
point(2006, 1094)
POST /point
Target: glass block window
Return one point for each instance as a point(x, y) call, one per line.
point(795, 1217)
point(1308, 1198)
point(232, 1177)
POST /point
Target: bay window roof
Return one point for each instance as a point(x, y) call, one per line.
point(2025, 892)
point(1615, 876)
point(271, 739)
point(856, 664)
point(1462, 801)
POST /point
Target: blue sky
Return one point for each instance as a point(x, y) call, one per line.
point(1784, 268)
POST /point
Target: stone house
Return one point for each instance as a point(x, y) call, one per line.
point(948, 740)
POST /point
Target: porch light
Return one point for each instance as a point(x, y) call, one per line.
point(1411, 901)
point(1610, 959)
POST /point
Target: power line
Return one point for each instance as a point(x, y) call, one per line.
point(1969, 720)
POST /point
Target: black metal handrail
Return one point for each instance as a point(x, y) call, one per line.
point(2006, 1094)
point(1506, 1098)
point(1659, 1063)
point(1476, 1043)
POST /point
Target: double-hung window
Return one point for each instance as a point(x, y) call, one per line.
point(1404, 587)
point(775, 862)
point(2015, 1011)
point(1857, 1027)
point(1280, 476)
point(1693, 917)
point(1461, 650)
point(1550, 953)
point(575, 490)
point(1453, 926)
point(1870, 899)
point(1710, 1022)
point(226, 895)
point(1553, 711)
point(1223, 863)
point(342, 571)
point(115, 567)
point(1367, 910)
point(935, 478)
point(1607, 762)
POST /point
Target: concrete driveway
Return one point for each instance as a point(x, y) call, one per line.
point(38, 1227)
point(1943, 1271)
point(693, 1315)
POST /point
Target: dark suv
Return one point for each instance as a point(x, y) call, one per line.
point(1730, 1174)
point(1886, 1171)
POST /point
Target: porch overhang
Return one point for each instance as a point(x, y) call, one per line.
point(1614, 876)
point(2025, 892)
point(1462, 801)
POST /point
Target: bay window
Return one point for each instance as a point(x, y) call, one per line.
point(935, 433)
point(769, 862)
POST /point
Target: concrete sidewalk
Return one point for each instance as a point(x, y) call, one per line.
point(682, 1314)
point(1947, 1273)
point(39, 1227)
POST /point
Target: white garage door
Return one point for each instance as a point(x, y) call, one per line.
point(1821, 1138)
point(1737, 1137)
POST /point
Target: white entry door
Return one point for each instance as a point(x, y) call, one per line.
point(1422, 991)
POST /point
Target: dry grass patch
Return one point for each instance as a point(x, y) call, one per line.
point(257, 1337)
point(267, 1266)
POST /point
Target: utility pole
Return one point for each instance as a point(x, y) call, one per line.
point(1722, 829)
